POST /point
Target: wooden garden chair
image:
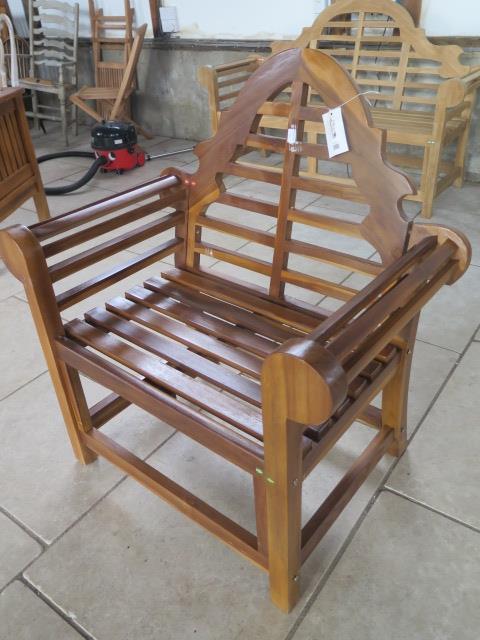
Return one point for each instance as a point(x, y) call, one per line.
point(116, 97)
point(20, 177)
point(421, 93)
point(53, 60)
point(265, 381)
point(110, 33)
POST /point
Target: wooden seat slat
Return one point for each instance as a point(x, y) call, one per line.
point(195, 340)
point(224, 291)
point(241, 415)
point(235, 314)
point(188, 361)
point(194, 316)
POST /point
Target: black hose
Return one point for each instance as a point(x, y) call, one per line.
point(98, 162)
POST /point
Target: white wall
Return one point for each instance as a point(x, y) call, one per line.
point(275, 19)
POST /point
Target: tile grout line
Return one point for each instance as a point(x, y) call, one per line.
point(69, 619)
point(308, 605)
point(433, 401)
point(428, 507)
point(107, 493)
point(22, 386)
point(30, 532)
point(432, 344)
point(47, 545)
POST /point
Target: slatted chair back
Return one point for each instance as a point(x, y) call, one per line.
point(23, 57)
point(282, 86)
point(53, 36)
point(110, 33)
point(377, 41)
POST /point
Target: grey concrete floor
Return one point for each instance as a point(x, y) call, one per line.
point(86, 552)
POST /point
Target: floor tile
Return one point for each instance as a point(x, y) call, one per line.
point(132, 533)
point(408, 573)
point(451, 317)
point(464, 199)
point(430, 367)
point(17, 549)
point(25, 616)
point(467, 220)
point(21, 357)
point(440, 467)
point(41, 483)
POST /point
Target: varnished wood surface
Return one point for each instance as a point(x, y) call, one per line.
point(267, 381)
point(19, 174)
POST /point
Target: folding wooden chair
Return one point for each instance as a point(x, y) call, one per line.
point(110, 33)
point(117, 97)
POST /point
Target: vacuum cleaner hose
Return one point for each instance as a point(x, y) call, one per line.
point(98, 162)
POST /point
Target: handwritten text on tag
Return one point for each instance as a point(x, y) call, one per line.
point(335, 132)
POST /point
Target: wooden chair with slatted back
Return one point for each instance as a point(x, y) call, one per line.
point(19, 175)
point(269, 353)
point(117, 98)
point(110, 34)
point(53, 61)
point(422, 94)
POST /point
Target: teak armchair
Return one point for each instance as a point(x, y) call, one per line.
point(116, 97)
point(422, 95)
point(265, 381)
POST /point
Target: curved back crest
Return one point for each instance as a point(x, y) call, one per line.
point(382, 24)
point(381, 186)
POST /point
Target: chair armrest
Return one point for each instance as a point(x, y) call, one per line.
point(207, 71)
point(471, 81)
point(26, 250)
point(313, 373)
point(222, 83)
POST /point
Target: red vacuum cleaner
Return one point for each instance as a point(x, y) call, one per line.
point(114, 148)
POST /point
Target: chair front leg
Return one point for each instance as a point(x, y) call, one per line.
point(283, 481)
point(395, 393)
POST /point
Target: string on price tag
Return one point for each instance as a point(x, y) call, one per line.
point(337, 142)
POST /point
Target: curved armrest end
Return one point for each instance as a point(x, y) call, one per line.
point(463, 254)
point(18, 246)
point(306, 378)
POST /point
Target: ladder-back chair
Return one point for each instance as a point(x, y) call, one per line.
point(117, 98)
point(53, 61)
point(264, 380)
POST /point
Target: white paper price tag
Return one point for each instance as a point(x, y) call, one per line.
point(335, 132)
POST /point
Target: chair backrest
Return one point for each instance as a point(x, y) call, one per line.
point(109, 33)
point(128, 78)
point(53, 33)
point(377, 41)
point(295, 259)
point(21, 48)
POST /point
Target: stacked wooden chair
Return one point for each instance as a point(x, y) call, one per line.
point(114, 102)
point(265, 381)
point(111, 35)
point(53, 61)
point(421, 94)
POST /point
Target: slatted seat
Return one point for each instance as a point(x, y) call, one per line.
point(421, 94)
point(258, 343)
